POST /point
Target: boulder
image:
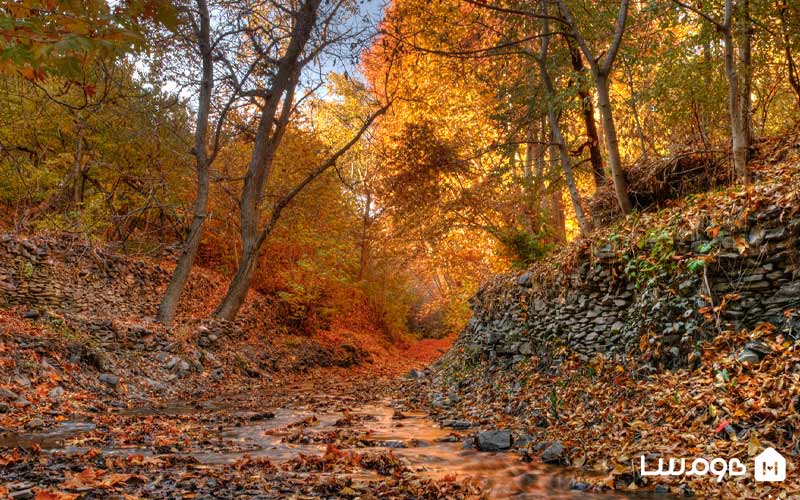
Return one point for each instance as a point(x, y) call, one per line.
point(497, 440)
point(553, 453)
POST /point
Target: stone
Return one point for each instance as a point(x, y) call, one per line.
point(553, 453)
point(776, 234)
point(522, 440)
point(8, 395)
point(497, 440)
point(456, 424)
point(34, 423)
point(756, 236)
point(748, 356)
point(31, 314)
point(56, 393)
point(758, 347)
point(524, 279)
point(662, 489)
point(414, 374)
point(757, 285)
point(439, 401)
point(109, 379)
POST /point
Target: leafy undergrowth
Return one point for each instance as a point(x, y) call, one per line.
point(776, 174)
point(608, 415)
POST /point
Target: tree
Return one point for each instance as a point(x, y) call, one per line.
point(601, 66)
point(739, 77)
point(291, 37)
point(209, 48)
point(43, 38)
point(553, 120)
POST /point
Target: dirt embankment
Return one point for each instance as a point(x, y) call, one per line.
point(670, 334)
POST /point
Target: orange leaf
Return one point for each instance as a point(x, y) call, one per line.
point(55, 495)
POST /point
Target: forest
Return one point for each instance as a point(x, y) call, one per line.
point(352, 248)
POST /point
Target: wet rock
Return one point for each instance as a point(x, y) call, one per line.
point(35, 423)
point(553, 453)
point(456, 424)
point(579, 486)
point(493, 440)
point(257, 416)
point(662, 489)
point(109, 379)
point(389, 443)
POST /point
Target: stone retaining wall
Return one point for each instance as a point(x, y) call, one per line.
point(601, 306)
point(74, 277)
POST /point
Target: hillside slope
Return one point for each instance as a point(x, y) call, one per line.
point(668, 334)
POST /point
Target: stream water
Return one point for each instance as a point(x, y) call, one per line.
point(429, 450)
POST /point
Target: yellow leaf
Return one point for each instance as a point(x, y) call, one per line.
point(741, 245)
point(753, 446)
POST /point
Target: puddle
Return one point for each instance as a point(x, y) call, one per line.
point(54, 438)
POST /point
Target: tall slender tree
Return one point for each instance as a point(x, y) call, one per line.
point(601, 66)
point(738, 76)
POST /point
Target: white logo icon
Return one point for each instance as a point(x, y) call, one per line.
point(770, 466)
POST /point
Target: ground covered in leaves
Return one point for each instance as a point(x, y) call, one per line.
point(606, 415)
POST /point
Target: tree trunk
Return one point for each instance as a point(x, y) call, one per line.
point(77, 169)
point(365, 223)
point(745, 71)
point(635, 110)
point(555, 129)
point(169, 304)
point(612, 144)
point(738, 131)
point(240, 284)
point(271, 128)
point(555, 200)
point(531, 183)
point(791, 66)
point(587, 110)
